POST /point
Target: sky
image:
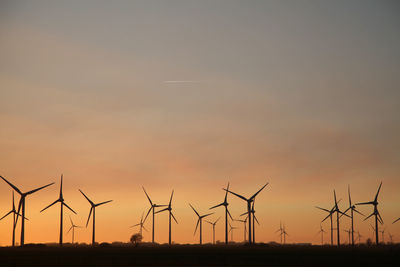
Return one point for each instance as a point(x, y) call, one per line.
point(190, 95)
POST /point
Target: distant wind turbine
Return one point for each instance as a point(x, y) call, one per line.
point(376, 213)
point(225, 204)
point(21, 204)
point(352, 209)
point(199, 221)
point(244, 227)
point(62, 204)
point(213, 226)
point(152, 208)
point(93, 209)
point(169, 209)
point(280, 230)
point(330, 215)
point(73, 226)
point(14, 213)
point(231, 228)
point(249, 202)
point(140, 224)
point(321, 231)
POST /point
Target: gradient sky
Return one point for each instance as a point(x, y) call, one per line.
point(189, 95)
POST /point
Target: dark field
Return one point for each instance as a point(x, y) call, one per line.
point(180, 255)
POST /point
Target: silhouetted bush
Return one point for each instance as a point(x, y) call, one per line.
point(136, 239)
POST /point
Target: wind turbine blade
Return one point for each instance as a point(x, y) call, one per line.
point(194, 210)
point(323, 209)
point(37, 189)
point(170, 200)
point(377, 193)
point(359, 212)
point(253, 196)
point(10, 184)
point(334, 194)
point(173, 217)
point(102, 203)
point(90, 213)
point(246, 213)
point(239, 196)
point(348, 189)
point(368, 217)
point(217, 220)
point(379, 217)
point(207, 215)
point(226, 193)
point(151, 203)
point(86, 197)
point(65, 204)
point(365, 203)
point(50, 205)
point(343, 214)
point(6, 215)
point(70, 229)
point(161, 210)
point(147, 214)
point(144, 228)
point(72, 223)
point(396, 220)
point(278, 230)
point(134, 225)
point(347, 209)
point(229, 214)
point(13, 201)
point(255, 218)
point(158, 206)
point(197, 225)
point(61, 184)
point(208, 222)
point(326, 218)
point(217, 205)
point(19, 208)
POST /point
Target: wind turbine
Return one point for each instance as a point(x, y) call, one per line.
point(336, 209)
point(280, 230)
point(359, 237)
point(321, 231)
point(199, 221)
point(244, 227)
point(391, 238)
point(231, 228)
point(396, 220)
point(378, 217)
point(254, 218)
point(21, 204)
point(225, 204)
point(14, 213)
point(383, 235)
point(249, 202)
point(331, 212)
point(349, 233)
point(152, 208)
point(140, 224)
point(73, 226)
point(62, 204)
point(93, 208)
point(284, 234)
point(352, 208)
point(213, 226)
point(169, 209)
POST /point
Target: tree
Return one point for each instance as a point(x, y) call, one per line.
point(136, 239)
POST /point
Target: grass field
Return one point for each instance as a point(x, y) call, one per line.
point(191, 255)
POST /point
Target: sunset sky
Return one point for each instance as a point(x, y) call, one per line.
point(190, 95)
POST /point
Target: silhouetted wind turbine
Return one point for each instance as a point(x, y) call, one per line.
point(231, 228)
point(352, 208)
point(396, 220)
point(169, 209)
point(152, 208)
point(391, 238)
point(383, 234)
point(254, 218)
point(21, 204)
point(249, 202)
point(14, 213)
point(336, 209)
point(284, 234)
point(199, 221)
point(349, 233)
point(321, 231)
point(93, 209)
point(62, 204)
point(213, 226)
point(378, 217)
point(225, 204)
point(359, 237)
point(140, 224)
point(280, 230)
point(244, 227)
point(73, 226)
point(331, 212)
